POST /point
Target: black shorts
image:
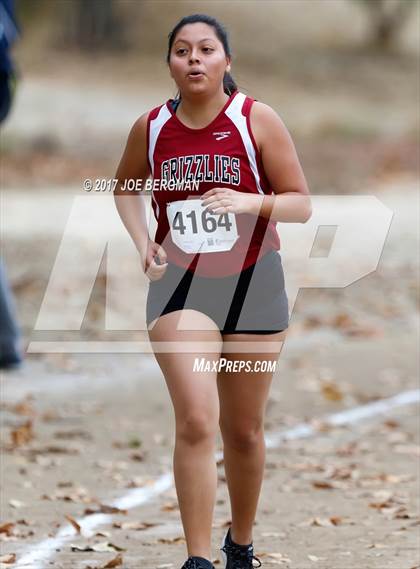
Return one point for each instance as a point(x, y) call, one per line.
point(253, 302)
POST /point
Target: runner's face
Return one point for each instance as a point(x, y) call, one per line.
point(197, 49)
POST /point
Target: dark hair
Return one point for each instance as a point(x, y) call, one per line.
point(229, 84)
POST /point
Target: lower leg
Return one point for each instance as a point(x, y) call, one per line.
point(196, 481)
point(244, 468)
point(243, 397)
point(196, 405)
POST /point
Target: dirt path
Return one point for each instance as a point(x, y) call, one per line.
point(101, 426)
point(346, 496)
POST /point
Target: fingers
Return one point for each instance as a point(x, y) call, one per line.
point(155, 271)
point(217, 200)
point(222, 209)
point(162, 255)
point(156, 263)
point(209, 193)
point(214, 194)
point(218, 205)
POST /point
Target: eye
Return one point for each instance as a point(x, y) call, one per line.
point(180, 51)
point(208, 49)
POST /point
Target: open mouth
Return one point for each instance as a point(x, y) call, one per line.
point(195, 74)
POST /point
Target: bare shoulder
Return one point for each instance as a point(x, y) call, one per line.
point(139, 129)
point(137, 137)
point(133, 163)
point(266, 125)
point(263, 111)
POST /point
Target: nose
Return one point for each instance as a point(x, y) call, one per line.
point(194, 57)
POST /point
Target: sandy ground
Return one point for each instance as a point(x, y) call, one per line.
point(102, 424)
point(81, 430)
point(347, 496)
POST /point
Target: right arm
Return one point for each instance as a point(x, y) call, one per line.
point(130, 204)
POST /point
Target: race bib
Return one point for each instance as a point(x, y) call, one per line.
point(195, 230)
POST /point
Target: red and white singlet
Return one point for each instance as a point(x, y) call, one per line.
point(222, 154)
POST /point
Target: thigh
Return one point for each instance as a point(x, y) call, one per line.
point(243, 395)
point(192, 392)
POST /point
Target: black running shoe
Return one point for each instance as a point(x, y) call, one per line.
point(197, 563)
point(238, 556)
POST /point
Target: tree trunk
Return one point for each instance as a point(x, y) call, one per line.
point(96, 26)
point(386, 20)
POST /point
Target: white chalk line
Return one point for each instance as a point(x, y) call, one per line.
point(138, 496)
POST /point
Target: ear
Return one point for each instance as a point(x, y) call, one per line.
point(228, 61)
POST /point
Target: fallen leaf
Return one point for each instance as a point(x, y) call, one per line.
point(7, 528)
point(16, 504)
point(322, 484)
point(116, 562)
point(133, 525)
point(170, 507)
point(342, 320)
point(136, 482)
point(137, 456)
point(50, 416)
point(106, 534)
point(179, 539)
point(331, 391)
point(74, 524)
point(23, 434)
point(322, 522)
point(347, 449)
point(52, 449)
point(391, 423)
point(8, 559)
point(74, 434)
point(97, 547)
point(104, 509)
point(78, 496)
point(279, 558)
point(24, 408)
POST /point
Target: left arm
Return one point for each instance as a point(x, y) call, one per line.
point(291, 200)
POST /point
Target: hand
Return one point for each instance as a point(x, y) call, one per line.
point(225, 200)
point(153, 270)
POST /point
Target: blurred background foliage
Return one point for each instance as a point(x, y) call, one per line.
point(123, 24)
point(343, 75)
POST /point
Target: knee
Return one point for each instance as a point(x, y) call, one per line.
point(196, 428)
point(244, 436)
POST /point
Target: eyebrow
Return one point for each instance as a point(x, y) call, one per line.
point(186, 41)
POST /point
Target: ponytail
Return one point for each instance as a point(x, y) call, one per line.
point(229, 84)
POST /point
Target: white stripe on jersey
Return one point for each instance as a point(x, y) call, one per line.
point(234, 112)
point(156, 126)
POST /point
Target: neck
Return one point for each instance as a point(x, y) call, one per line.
point(199, 110)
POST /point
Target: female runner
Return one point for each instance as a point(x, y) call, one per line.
point(215, 271)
